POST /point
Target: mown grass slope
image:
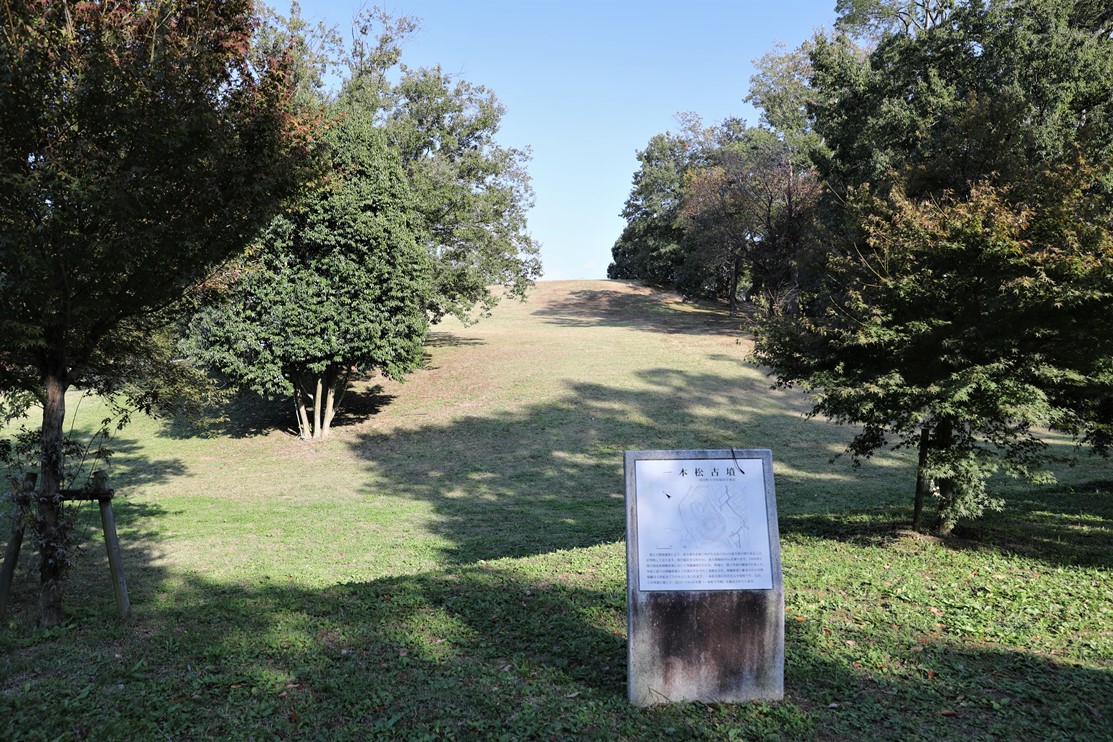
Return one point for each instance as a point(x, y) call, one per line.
point(450, 564)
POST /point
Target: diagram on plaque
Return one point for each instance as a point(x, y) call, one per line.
point(710, 517)
point(702, 525)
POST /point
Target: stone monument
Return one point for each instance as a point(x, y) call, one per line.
point(705, 598)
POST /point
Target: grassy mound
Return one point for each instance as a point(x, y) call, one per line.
point(450, 563)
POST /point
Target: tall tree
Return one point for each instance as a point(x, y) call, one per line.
point(337, 285)
point(952, 331)
point(969, 215)
point(471, 193)
point(654, 245)
point(752, 213)
point(711, 206)
point(139, 147)
point(422, 214)
point(650, 246)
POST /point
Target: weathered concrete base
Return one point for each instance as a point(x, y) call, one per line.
point(721, 646)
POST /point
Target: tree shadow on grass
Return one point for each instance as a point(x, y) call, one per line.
point(450, 340)
point(904, 689)
point(641, 308)
point(361, 403)
point(132, 468)
point(550, 476)
point(249, 415)
point(1072, 527)
point(527, 650)
point(1067, 528)
point(245, 415)
point(484, 651)
point(875, 528)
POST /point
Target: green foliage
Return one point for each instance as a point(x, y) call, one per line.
point(753, 211)
point(312, 51)
point(874, 18)
point(711, 208)
point(338, 284)
point(471, 194)
point(19, 456)
point(139, 148)
point(650, 246)
point(423, 215)
point(952, 316)
point(1002, 91)
point(14, 405)
point(657, 245)
point(971, 242)
point(780, 90)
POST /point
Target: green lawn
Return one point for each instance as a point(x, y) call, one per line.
point(450, 564)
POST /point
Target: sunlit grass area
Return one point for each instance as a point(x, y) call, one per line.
point(449, 564)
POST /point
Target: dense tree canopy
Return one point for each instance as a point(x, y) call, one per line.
point(337, 285)
point(924, 210)
point(422, 214)
point(139, 147)
point(726, 211)
point(650, 246)
point(751, 212)
point(970, 240)
point(471, 194)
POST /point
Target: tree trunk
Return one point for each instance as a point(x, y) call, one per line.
point(49, 526)
point(330, 402)
point(337, 384)
point(317, 407)
point(922, 481)
point(734, 286)
point(342, 388)
point(792, 306)
point(944, 440)
point(299, 407)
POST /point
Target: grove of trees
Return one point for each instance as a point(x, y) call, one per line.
point(925, 212)
point(178, 183)
point(725, 211)
point(140, 146)
point(416, 212)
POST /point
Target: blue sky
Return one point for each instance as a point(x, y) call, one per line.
point(586, 84)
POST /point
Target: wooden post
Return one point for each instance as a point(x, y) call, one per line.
point(111, 542)
point(103, 495)
point(11, 554)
